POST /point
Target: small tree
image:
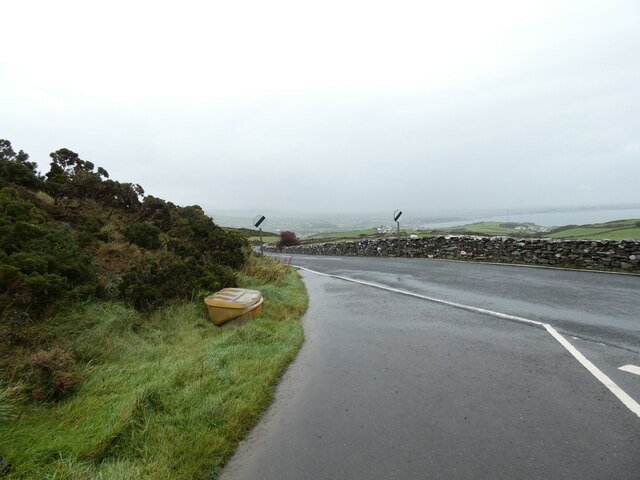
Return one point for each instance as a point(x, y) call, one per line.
point(16, 168)
point(287, 239)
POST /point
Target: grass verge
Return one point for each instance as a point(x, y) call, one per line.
point(167, 396)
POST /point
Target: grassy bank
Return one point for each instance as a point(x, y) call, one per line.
point(165, 396)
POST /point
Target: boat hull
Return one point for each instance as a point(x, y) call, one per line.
point(220, 315)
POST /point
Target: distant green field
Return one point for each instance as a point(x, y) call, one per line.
point(483, 228)
point(266, 239)
point(494, 228)
point(343, 236)
point(616, 230)
point(349, 234)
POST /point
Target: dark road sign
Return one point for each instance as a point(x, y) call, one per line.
point(257, 224)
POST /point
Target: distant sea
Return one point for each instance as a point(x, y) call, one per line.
point(552, 219)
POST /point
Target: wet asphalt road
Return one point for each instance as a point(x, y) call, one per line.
point(388, 386)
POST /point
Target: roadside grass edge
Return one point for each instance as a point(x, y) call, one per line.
point(164, 396)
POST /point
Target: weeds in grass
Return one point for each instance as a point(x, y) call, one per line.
point(51, 374)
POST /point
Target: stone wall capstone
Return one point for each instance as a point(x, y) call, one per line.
point(618, 255)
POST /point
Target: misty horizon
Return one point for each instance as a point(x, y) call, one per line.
point(355, 107)
point(418, 213)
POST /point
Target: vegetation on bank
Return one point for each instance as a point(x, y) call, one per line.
point(109, 365)
point(163, 396)
point(74, 234)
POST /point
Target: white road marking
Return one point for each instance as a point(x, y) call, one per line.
point(630, 369)
point(624, 397)
point(430, 299)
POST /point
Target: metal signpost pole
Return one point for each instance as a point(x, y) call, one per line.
point(396, 216)
point(256, 222)
point(261, 252)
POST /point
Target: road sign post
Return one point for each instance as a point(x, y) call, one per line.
point(396, 216)
point(257, 222)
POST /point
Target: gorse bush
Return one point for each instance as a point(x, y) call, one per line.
point(154, 280)
point(70, 243)
point(144, 235)
point(74, 234)
point(41, 260)
point(17, 169)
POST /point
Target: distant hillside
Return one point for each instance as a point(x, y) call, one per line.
point(248, 232)
point(500, 228)
point(616, 230)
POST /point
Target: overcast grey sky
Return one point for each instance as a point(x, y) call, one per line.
point(334, 105)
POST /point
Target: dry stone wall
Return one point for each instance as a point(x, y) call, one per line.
point(598, 255)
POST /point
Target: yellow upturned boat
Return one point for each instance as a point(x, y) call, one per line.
point(231, 303)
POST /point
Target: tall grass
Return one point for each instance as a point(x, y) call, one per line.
point(164, 397)
point(264, 269)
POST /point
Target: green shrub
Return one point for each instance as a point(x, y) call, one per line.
point(144, 235)
point(181, 247)
point(13, 207)
point(227, 247)
point(41, 261)
point(15, 168)
point(69, 246)
point(157, 280)
point(156, 211)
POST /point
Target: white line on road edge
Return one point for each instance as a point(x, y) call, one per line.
point(629, 402)
point(431, 299)
point(630, 369)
